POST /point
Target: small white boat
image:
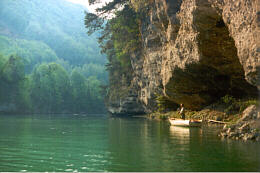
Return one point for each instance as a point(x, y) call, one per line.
point(185, 123)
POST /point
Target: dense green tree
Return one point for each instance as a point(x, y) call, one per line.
point(49, 65)
point(79, 91)
point(93, 70)
point(14, 84)
point(3, 60)
point(13, 70)
point(50, 88)
point(120, 37)
point(86, 93)
point(94, 92)
point(58, 24)
point(32, 52)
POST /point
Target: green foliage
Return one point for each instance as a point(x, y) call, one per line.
point(244, 104)
point(57, 24)
point(13, 70)
point(79, 90)
point(54, 91)
point(160, 100)
point(120, 38)
point(86, 92)
point(49, 89)
point(47, 55)
point(50, 86)
point(16, 19)
point(3, 60)
point(127, 40)
point(140, 5)
point(234, 106)
point(13, 84)
point(96, 70)
point(228, 99)
point(164, 104)
point(32, 52)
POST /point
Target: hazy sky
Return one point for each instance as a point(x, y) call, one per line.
point(85, 3)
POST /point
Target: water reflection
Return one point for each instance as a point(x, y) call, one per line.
point(186, 134)
point(119, 144)
point(181, 132)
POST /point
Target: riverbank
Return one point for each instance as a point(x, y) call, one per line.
point(244, 125)
point(205, 114)
point(246, 128)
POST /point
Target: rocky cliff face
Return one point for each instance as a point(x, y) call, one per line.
point(128, 105)
point(196, 51)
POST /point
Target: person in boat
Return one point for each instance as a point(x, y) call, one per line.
point(182, 111)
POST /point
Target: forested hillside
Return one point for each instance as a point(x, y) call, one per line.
point(48, 64)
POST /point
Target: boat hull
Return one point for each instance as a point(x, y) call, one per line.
point(185, 123)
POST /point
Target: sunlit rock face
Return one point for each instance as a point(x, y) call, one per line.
point(196, 51)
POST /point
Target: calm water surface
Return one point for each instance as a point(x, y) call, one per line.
point(99, 143)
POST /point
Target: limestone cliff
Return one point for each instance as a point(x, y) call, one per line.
point(196, 51)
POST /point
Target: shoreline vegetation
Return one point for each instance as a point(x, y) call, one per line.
point(227, 109)
point(239, 118)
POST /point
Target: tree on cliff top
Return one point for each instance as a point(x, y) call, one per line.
point(119, 26)
point(95, 21)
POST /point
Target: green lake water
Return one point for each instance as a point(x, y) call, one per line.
point(99, 143)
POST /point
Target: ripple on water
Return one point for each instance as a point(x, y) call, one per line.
point(70, 165)
point(68, 170)
point(87, 148)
